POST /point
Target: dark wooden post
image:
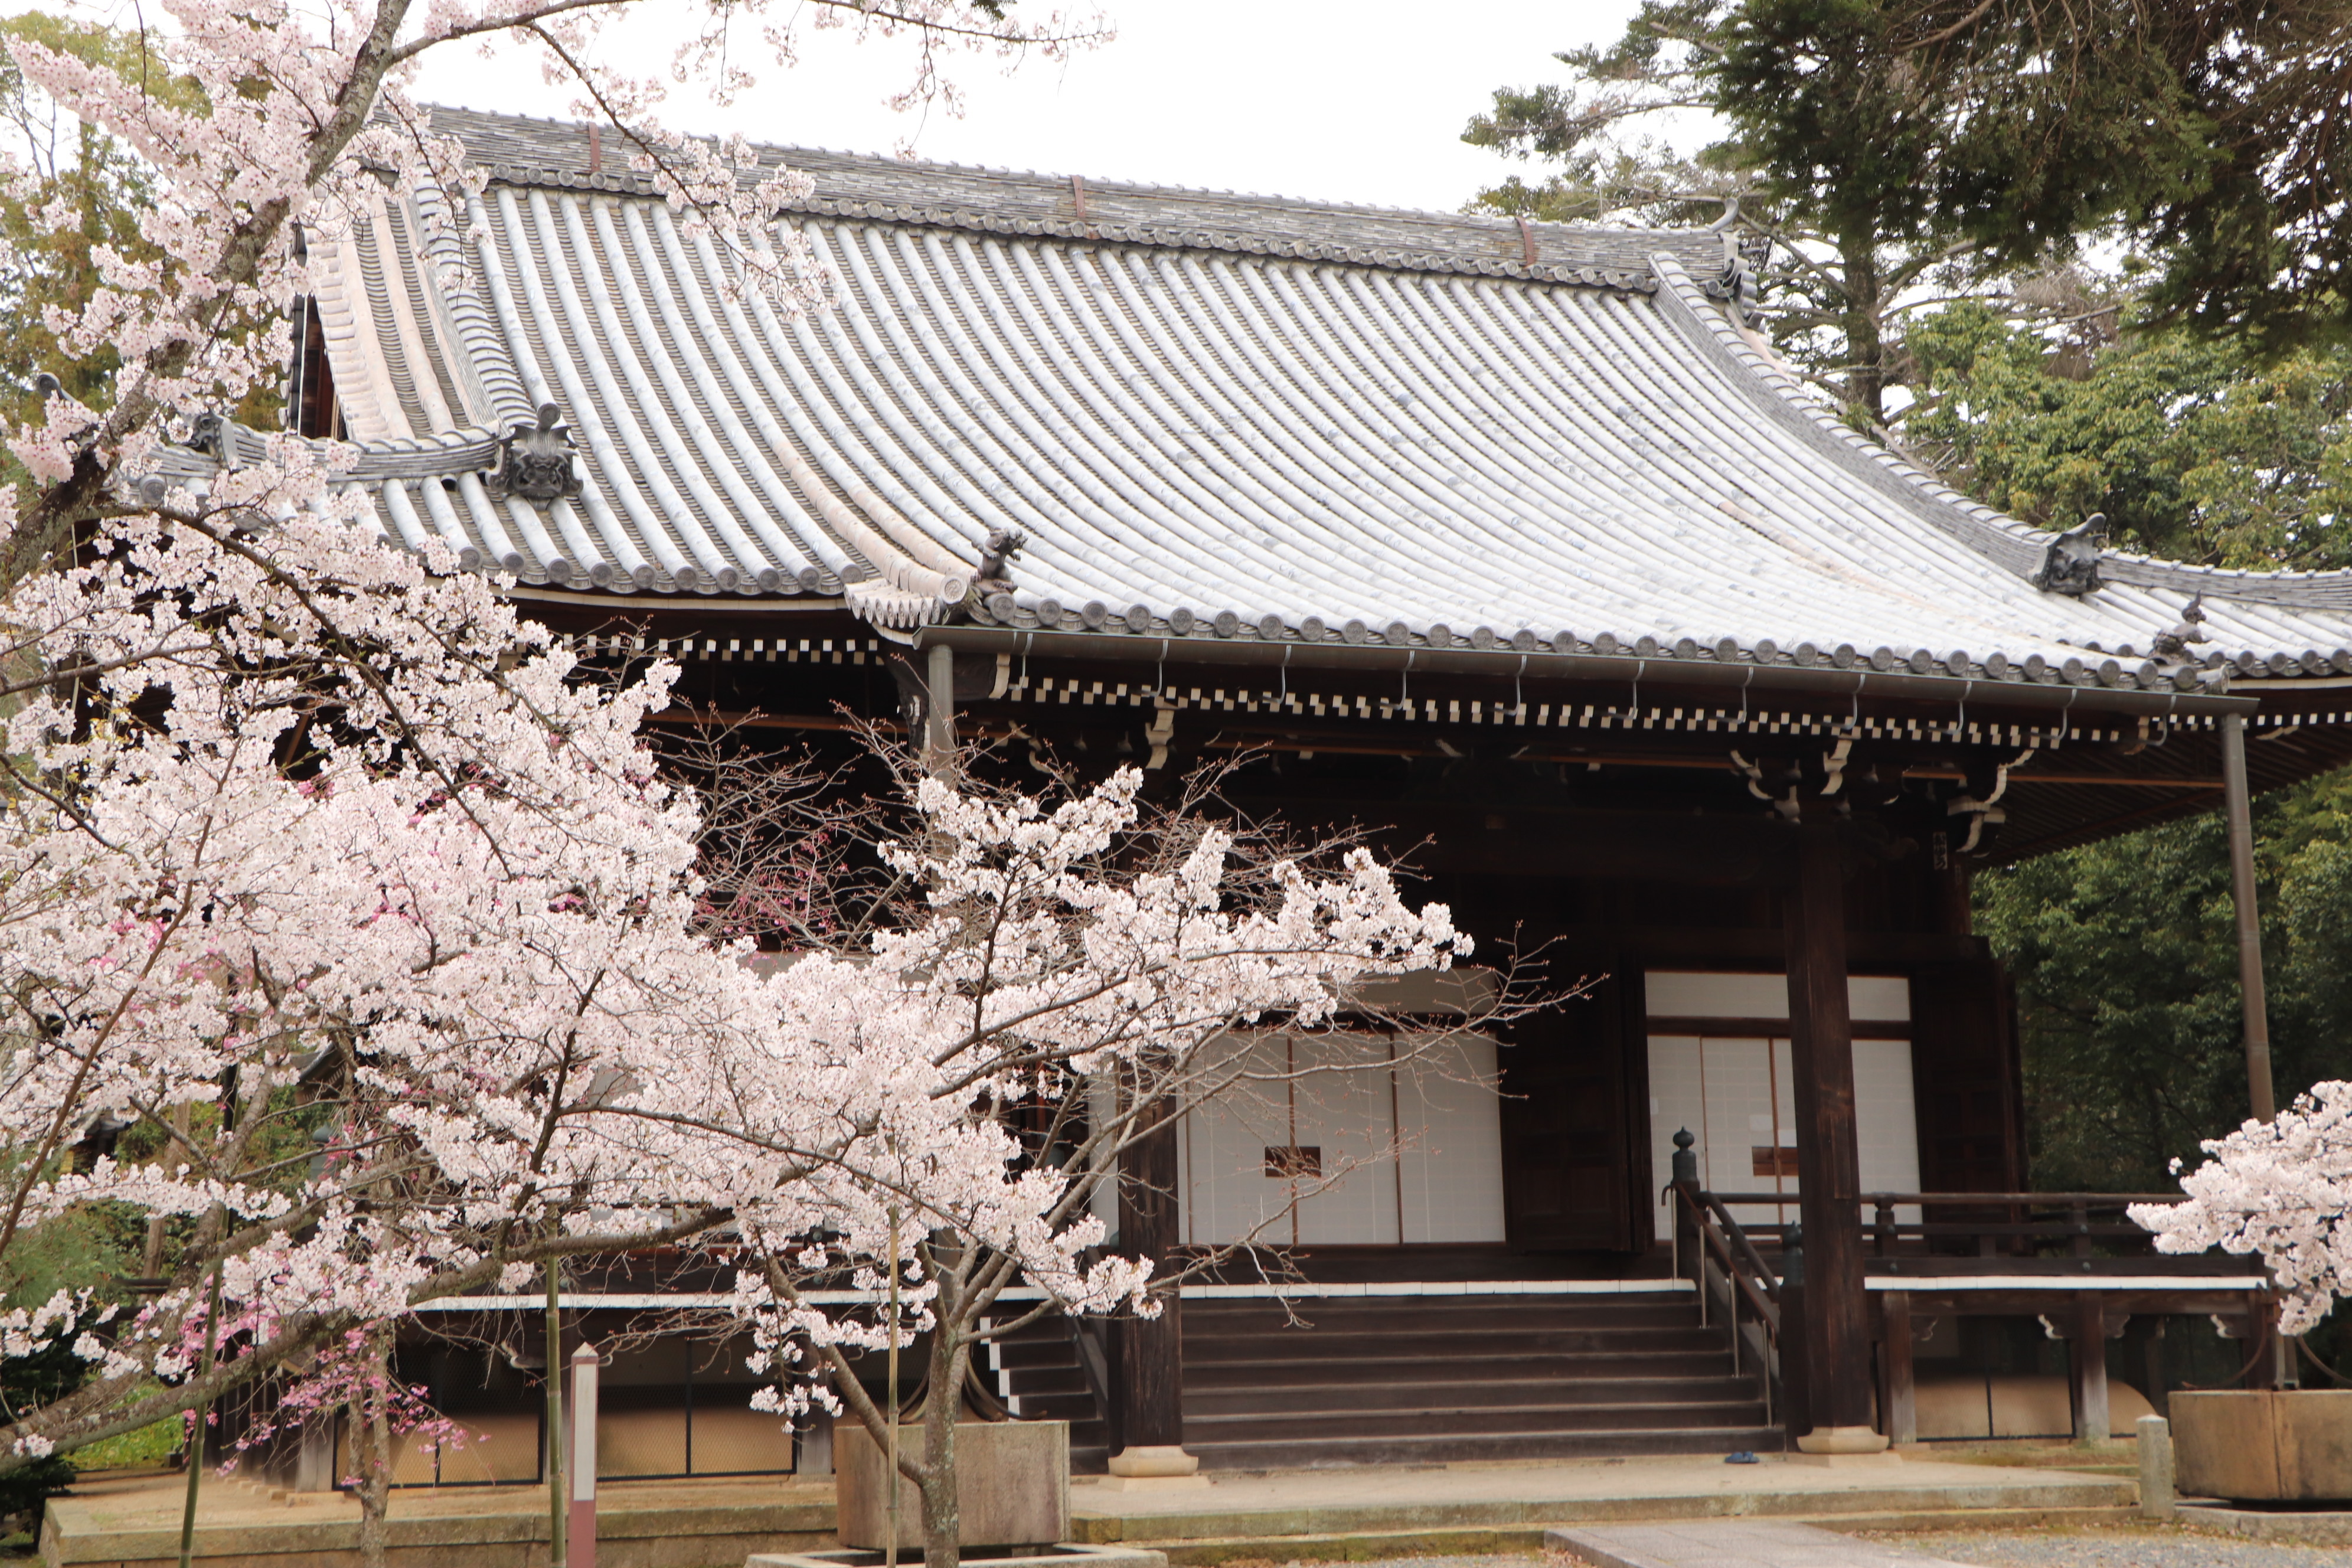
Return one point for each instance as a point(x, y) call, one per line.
point(2237, 804)
point(1148, 1373)
point(1836, 1324)
point(1689, 1247)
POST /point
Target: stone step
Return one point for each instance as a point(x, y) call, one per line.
point(1488, 1420)
point(1036, 1352)
point(1038, 1385)
point(1313, 1453)
point(1428, 1339)
point(1466, 1394)
point(1277, 1374)
point(1466, 1313)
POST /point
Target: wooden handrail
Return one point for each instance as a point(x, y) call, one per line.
point(1733, 1230)
point(1753, 1284)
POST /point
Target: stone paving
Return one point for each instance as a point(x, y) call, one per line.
point(2125, 1547)
point(1727, 1543)
point(1390, 1499)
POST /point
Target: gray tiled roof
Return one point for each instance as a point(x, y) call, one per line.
point(1213, 416)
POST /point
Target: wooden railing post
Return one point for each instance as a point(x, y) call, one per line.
point(1883, 1226)
point(1898, 1408)
point(2088, 1366)
point(1682, 1197)
point(1796, 1381)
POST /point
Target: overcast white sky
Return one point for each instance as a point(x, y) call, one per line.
point(1343, 99)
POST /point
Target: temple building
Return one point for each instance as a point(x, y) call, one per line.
point(1512, 543)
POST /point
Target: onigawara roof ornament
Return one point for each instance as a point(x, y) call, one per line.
point(996, 564)
point(995, 577)
point(2174, 644)
point(535, 461)
point(209, 433)
point(2070, 565)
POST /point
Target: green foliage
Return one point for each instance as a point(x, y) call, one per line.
point(46, 266)
point(2126, 959)
point(1901, 151)
point(145, 1448)
point(85, 1248)
point(26, 1382)
point(2195, 448)
point(1835, 145)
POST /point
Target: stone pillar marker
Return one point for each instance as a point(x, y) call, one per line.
point(1836, 1319)
point(580, 1547)
point(2158, 1498)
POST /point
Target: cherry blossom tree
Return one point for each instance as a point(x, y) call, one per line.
point(2280, 1190)
point(289, 810)
point(374, 911)
point(1071, 976)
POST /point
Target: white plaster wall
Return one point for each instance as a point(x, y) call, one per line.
point(1736, 1093)
point(1411, 1152)
point(1686, 993)
point(1343, 1102)
point(1222, 1145)
point(1450, 1171)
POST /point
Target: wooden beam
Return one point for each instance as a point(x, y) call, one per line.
point(1765, 1028)
point(1836, 1325)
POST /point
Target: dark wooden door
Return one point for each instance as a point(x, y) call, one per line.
point(1964, 1079)
point(1567, 1171)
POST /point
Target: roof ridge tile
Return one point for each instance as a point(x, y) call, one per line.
point(554, 154)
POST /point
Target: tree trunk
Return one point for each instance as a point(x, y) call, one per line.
point(1866, 350)
point(372, 1449)
point(942, 1518)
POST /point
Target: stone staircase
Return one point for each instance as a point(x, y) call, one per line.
point(1040, 1378)
point(1421, 1379)
point(1406, 1378)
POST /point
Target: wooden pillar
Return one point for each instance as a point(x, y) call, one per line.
point(2237, 806)
point(1148, 1373)
point(1837, 1310)
point(2086, 1362)
point(938, 714)
point(1898, 1397)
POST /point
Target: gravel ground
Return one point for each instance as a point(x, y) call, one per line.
point(2121, 1548)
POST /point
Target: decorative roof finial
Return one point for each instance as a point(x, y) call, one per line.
point(535, 461)
point(2070, 565)
point(995, 575)
point(2174, 644)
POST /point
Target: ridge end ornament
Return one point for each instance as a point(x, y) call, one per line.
point(535, 461)
point(2174, 644)
point(2070, 565)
